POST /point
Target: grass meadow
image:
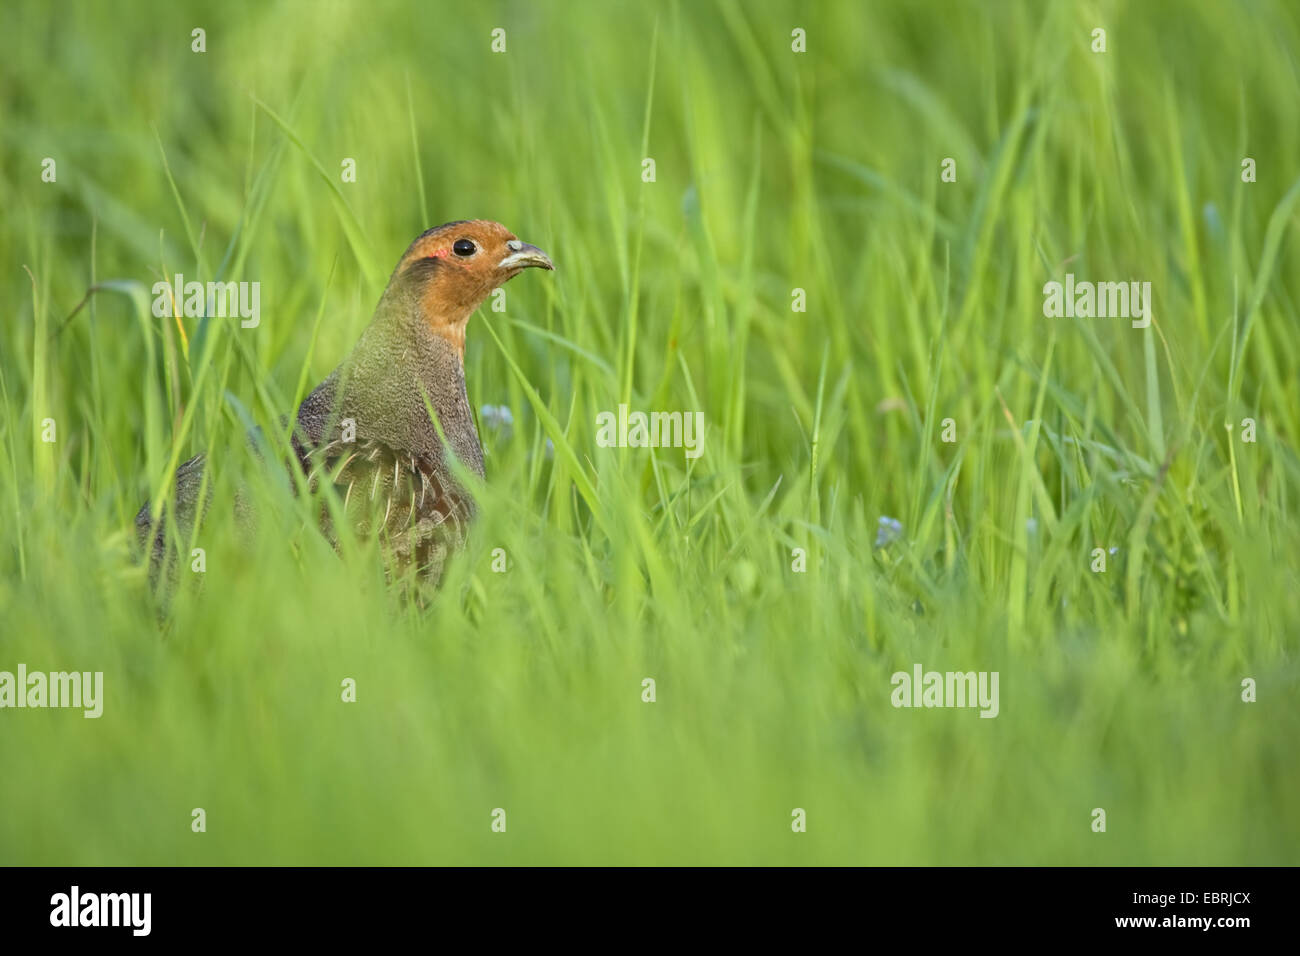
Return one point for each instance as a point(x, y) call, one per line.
point(753, 584)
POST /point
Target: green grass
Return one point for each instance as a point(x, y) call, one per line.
point(775, 170)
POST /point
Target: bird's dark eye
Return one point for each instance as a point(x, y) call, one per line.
point(464, 247)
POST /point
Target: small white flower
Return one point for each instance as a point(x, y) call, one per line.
point(497, 418)
point(888, 530)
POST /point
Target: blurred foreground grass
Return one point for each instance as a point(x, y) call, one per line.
point(774, 171)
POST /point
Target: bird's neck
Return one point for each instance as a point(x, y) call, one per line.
point(403, 367)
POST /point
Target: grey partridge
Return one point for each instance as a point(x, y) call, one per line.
point(367, 428)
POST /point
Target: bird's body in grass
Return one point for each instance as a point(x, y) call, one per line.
point(372, 427)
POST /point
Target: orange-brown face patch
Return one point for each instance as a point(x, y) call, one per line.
point(459, 283)
point(489, 237)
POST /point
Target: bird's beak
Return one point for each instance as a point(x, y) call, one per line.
point(522, 256)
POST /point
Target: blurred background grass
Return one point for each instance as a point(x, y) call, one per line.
point(774, 171)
